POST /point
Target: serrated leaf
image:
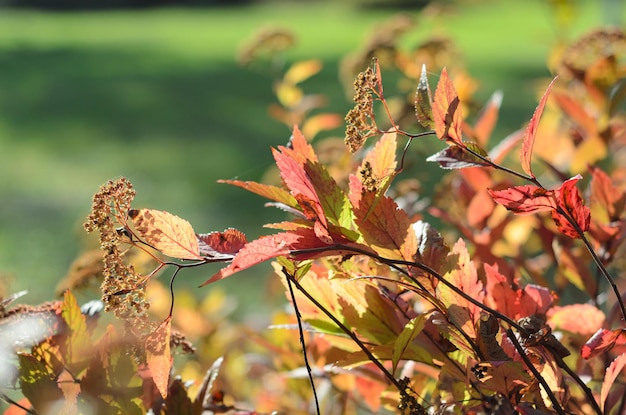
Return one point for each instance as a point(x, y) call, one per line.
point(159, 356)
point(221, 245)
point(423, 102)
point(410, 331)
point(169, 234)
point(447, 111)
point(455, 157)
point(464, 276)
point(571, 202)
point(78, 344)
point(265, 190)
point(603, 340)
point(531, 132)
point(612, 372)
point(384, 226)
point(525, 200)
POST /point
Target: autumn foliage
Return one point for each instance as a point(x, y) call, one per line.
point(515, 305)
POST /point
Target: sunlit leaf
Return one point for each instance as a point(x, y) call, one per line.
point(582, 319)
point(302, 70)
point(320, 122)
point(602, 341)
point(381, 162)
point(158, 355)
point(170, 234)
point(221, 245)
point(571, 202)
point(405, 338)
point(455, 157)
point(612, 372)
point(531, 132)
point(525, 200)
point(483, 127)
point(78, 344)
point(277, 194)
point(447, 111)
point(423, 102)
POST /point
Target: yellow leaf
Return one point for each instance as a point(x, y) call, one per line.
point(171, 235)
point(588, 153)
point(301, 71)
point(288, 94)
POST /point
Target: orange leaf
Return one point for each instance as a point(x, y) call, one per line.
point(582, 319)
point(158, 355)
point(612, 372)
point(487, 120)
point(277, 194)
point(465, 277)
point(171, 235)
point(447, 111)
point(531, 132)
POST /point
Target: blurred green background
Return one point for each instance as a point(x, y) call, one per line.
point(156, 95)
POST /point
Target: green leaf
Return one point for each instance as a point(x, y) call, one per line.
point(405, 338)
point(423, 102)
point(78, 345)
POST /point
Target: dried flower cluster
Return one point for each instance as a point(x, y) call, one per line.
point(360, 120)
point(123, 289)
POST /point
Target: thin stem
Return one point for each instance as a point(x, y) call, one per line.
point(394, 263)
point(172, 290)
point(577, 379)
point(531, 367)
point(572, 222)
point(346, 330)
point(301, 334)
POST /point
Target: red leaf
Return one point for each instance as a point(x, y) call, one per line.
point(602, 341)
point(525, 200)
point(508, 298)
point(531, 132)
point(221, 245)
point(612, 372)
point(158, 355)
point(447, 111)
point(281, 244)
point(571, 202)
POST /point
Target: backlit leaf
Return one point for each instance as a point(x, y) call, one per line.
point(170, 234)
point(302, 70)
point(605, 194)
point(221, 245)
point(602, 341)
point(525, 200)
point(464, 276)
point(382, 161)
point(78, 345)
point(571, 202)
point(158, 355)
point(405, 338)
point(531, 132)
point(487, 120)
point(277, 194)
point(612, 372)
point(582, 319)
point(455, 157)
point(447, 111)
point(423, 102)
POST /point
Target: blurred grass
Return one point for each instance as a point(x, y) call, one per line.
point(158, 97)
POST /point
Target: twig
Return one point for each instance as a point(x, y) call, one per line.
point(301, 334)
point(531, 367)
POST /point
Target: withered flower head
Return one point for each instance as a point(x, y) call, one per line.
point(123, 289)
point(361, 122)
